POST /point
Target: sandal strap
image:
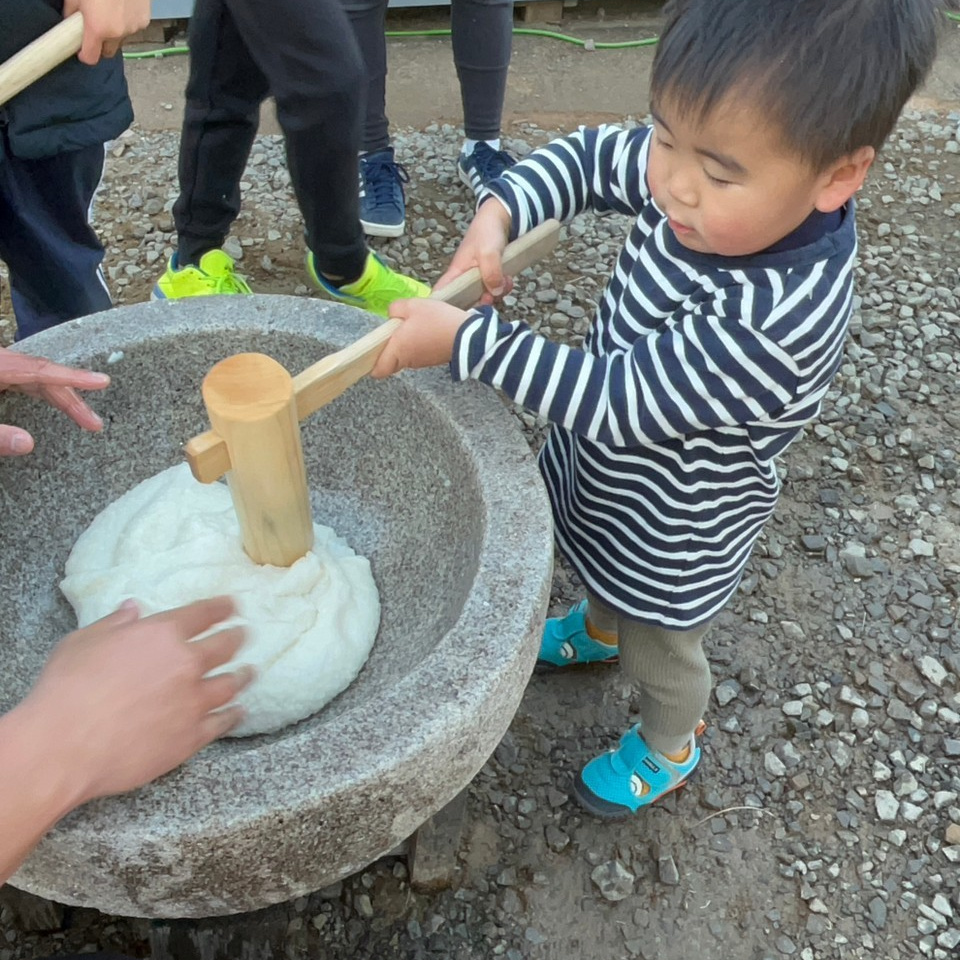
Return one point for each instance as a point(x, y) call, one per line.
point(566, 641)
point(637, 758)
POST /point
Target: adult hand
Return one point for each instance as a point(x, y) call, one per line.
point(106, 23)
point(51, 382)
point(126, 699)
point(425, 339)
point(482, 246)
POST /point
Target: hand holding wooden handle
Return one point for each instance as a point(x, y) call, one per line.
point(207, 453)
point(38, 58)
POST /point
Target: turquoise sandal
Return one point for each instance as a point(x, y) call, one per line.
point(566, 642)
point(612, 785)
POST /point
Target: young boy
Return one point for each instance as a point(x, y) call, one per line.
point(715, 340)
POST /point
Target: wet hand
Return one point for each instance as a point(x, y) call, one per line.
point(127, 699)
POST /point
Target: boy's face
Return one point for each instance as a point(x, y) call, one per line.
point(726, 183)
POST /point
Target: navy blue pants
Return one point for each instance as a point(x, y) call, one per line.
point(51, 252)
point(304, 54)
point(481, 36)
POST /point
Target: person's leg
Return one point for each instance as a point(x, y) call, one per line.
point(314, 70)
point(305, 55)
point(602, 622)
point(658, 754)
point(482, 36)
point(482, 39)
point(382, 200)
point(52, 253)
point(224, 91)
point(368, 20)
point(672, 675)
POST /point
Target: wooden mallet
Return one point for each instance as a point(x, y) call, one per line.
point(255, 408)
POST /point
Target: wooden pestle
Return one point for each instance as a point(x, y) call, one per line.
point(255, 407)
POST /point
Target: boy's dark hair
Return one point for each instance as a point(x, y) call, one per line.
point(833, 74)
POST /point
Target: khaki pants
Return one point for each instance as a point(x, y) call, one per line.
point(669, 669)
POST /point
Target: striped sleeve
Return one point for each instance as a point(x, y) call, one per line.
point(602, 169)
point(695, 372)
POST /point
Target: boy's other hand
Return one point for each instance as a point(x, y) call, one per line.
point(425, 338)
point(51, 382)
point(106, 23)
point(482, 247)
point(126, 699)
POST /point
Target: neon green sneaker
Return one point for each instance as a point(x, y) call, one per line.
point(215, 274)
point(377, 287)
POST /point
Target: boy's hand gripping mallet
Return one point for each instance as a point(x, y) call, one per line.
point(255, 408)
point(49, 50)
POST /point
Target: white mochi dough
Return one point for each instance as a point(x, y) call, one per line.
point(171, 540)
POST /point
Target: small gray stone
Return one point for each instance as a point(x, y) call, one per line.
point(556, 839)
point(949, 939)
point(726, 691)
point(667, 871)
point(887, 806)
point(773, 764)
point(841, 754)
point(786, 946)
point(856, 563)
point(614, 880)
point(851, 697)
point(910, 811)
point(878, 913)
point(942, 905)
point(233, 248)
point(933, 670)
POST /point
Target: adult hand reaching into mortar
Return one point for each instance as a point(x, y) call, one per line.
point(49, 381)
point(118, 704)
point(106, 24)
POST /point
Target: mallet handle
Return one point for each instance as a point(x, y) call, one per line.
point(328, 378)
point(49, 50)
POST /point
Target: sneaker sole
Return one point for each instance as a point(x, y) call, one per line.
point(545, 666)
point(383, 229)
point(605, 810)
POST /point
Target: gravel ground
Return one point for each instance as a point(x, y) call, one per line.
point(825, 819)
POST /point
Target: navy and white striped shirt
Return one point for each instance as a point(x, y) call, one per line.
point(697, 371)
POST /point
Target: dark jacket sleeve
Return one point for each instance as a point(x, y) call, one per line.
point(73, 106)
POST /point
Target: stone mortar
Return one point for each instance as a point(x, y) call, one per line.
point(429, 479)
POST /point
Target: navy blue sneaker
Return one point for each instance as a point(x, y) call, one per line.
point(481, 166)
point(382, 207)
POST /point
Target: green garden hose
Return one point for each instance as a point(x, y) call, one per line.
point(517, 31)
point(400, 34)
